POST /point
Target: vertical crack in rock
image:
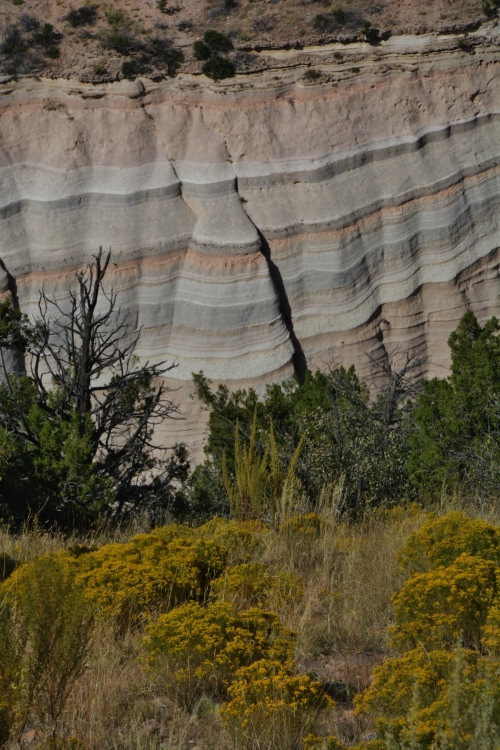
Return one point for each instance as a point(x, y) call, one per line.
point(298, 359)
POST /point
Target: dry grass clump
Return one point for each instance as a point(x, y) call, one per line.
point(327, 580)
point(348, 577)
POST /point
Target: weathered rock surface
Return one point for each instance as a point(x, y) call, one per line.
point(262, 220)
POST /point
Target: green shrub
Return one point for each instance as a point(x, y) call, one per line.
point(130, 68)
point(165, 55)
point(490, 8)
point(46, 37)
point(196, 651)
point(85, 15)
point(120, 40)
point(13, 44)
point(52, 52)
point(312, 75)
point(218, 68)
point(201, 50)
point(185, 25)
point(324, 22)
point(217, 42)
point(208, 49)
point(339, 15)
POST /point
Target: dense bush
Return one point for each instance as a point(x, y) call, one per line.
point(269, 707)
point(153, 571)
point(208, 49)
point(194, 651)
point(446, 604)
point(457, 440)
point(443, 690)
point(441, 540)
point(347, 437)
point(422, 690)
point(85, 15)
point(243, 541)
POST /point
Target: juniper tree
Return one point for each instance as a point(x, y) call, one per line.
point(78, 411)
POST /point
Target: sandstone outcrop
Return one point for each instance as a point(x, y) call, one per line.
point(263, 221)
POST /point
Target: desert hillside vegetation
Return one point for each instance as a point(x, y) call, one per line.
point(327, 578)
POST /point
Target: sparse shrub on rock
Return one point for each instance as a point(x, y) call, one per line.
point(83, 16)
point(325, 22)
point(208, 49)
point(48, 39)
point(312, 75)
point(130, 68)
point(161, 53)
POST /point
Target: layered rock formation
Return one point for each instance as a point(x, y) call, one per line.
point(264, 221)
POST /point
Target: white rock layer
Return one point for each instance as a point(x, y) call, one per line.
point(375, 197)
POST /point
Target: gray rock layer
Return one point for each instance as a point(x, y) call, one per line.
point(263, 220)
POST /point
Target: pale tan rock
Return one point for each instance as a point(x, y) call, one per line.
point(377, 192)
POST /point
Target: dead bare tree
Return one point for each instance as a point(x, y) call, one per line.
point(82, 370)
point(396, 378)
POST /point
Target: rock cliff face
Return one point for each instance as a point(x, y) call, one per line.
point(264, 221)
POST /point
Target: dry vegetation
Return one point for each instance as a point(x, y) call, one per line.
point(249, 23)
point(348, 574)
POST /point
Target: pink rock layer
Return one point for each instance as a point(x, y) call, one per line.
point(260, 223)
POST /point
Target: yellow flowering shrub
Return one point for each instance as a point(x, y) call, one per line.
point(416, 692)
point(441, 540)
point(194, 650)
point(157, 570)
point(270, 708)
point(491, 637)
point(252, 585)
point(438, 607)
point(45, 634)
point(242, 539)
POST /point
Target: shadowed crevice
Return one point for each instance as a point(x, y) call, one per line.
point(298, 358)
